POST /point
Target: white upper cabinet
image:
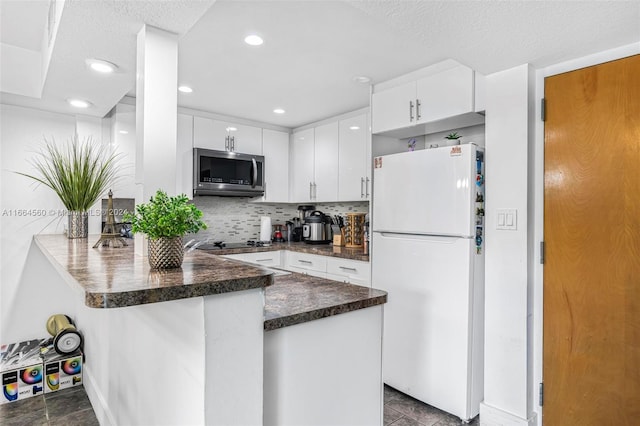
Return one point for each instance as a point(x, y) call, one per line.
point(440, 97)
point(301, 166)
point(353, 173)
point(445, 94)
point(225, 136)
point(394, 108)
point(325, 183)
point(184, 156)
point(275, 148)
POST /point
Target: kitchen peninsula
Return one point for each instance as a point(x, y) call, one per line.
point(219, 341)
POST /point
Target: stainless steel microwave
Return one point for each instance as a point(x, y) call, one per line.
point(227, 173)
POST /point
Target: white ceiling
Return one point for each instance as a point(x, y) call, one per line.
point(312, 49)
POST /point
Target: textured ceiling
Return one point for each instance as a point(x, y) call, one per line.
point(312, 49)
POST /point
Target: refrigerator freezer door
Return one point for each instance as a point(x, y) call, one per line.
point(430, 192)
point(427, 319)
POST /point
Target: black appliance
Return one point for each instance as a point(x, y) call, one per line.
point(227, 173)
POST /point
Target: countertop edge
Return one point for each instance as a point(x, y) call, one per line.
point(300, 318)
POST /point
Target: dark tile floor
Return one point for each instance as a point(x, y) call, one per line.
point(68, 407)
point(71, 407)
point(403, 410)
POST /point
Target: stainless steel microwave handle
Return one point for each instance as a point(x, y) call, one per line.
point(254, 168)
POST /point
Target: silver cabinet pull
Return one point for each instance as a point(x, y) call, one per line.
point(348, 269)
point(417, 109)
point(226, 143)
point(263, 260)
point(410, 110)
point(308, 262)
point(311, 190)
point(315, 191)
point(361, 187)
point(233, 143)
point(367, 188)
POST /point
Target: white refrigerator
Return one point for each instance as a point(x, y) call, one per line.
point(427, 253)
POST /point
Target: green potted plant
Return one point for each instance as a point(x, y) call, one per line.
point(165, 220)
point(79, 172)
point(454, 138)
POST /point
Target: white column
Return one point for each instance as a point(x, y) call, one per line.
point(508, 361)
point(156, 115)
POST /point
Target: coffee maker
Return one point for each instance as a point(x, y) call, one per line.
point(303, 211)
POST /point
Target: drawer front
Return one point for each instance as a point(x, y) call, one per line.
point(267, 258)
point(306, 262)
point(356, 272)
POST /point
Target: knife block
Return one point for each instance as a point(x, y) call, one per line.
point(354, 230)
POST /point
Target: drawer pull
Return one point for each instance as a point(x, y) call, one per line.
point(263, 260)
point(305, 261)
point(348, 269)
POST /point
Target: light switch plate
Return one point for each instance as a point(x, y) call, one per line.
point(507, 219)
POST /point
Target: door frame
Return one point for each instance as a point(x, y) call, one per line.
point(536, 197)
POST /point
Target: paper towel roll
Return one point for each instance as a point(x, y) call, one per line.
point(265, 228)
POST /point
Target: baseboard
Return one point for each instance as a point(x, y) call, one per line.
point(98, 402)
point(492, 416)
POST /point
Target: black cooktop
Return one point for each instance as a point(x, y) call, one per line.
point(221, 245)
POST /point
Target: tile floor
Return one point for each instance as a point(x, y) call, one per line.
point(71, 407)
point(68, 407)
point(403, 410)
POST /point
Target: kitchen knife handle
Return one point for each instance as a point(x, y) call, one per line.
point(417, 109)
point(410, 110)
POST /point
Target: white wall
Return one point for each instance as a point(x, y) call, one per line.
point(507, 361)
point(27, 209)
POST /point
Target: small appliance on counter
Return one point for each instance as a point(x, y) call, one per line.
point(317, 228)
point(298, 222)
point(277, 235)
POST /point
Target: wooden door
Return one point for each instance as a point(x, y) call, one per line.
point(591, 364)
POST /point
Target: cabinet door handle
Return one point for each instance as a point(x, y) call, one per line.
point(308, 262)
point(410, 110)
point(263, 260)
point(311, 190)
point(361, 187)
point(233, 143)
point(348, 269)
point(226, 143)
point(417, 109)
point(315, 191)
point(367, 188)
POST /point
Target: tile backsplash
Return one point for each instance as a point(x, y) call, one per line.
point(237, 219)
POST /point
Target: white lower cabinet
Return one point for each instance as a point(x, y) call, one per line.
point(266, 258)
point(349, 271)
point(305, 263)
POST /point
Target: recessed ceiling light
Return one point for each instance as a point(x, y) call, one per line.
point(354, 128)
point(253, 40)
point(124, 132)
point(362, 79)
point(279, 111)
point(185, 89)
point(78, 103)
point(101, 66)
point(231, 129)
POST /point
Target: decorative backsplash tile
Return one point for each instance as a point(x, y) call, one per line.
point(237, 219)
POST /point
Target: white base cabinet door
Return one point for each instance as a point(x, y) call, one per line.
point(325, 372)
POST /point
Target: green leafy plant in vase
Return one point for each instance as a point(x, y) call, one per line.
point(165, 220)
point(79, 172)
point(454, 138)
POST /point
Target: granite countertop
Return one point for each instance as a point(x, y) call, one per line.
point(319, 249)
point(297, 298)
point(112, 278)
